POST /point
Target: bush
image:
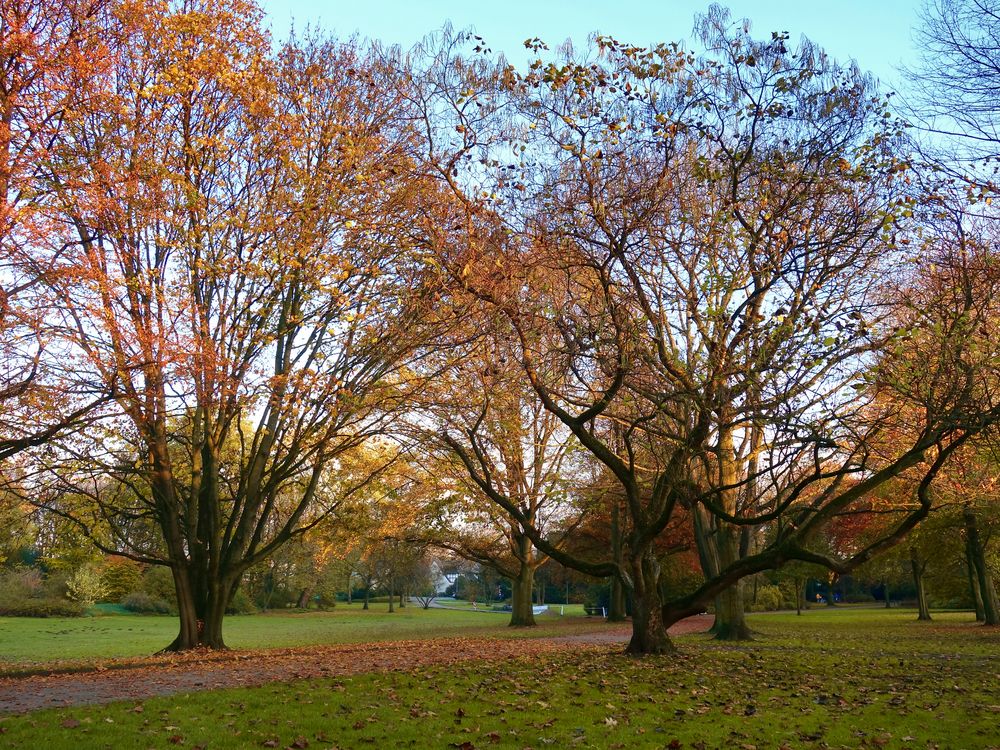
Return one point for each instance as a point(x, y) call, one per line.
point(158, 582)
point(241, 605)
point(21, 583)
point(85, 586)
point(46, 607)
point(771, 598)
point(25, 593)
point(145, 604)
point(120, 577)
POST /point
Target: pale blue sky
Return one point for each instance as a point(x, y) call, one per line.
point(876, 33)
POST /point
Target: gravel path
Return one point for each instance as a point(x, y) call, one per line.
point(184, 673)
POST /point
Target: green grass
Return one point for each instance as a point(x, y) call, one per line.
point(28, 642)
point(853, 679)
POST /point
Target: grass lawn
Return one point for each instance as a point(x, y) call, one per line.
point(26, 641)
point(828, 679)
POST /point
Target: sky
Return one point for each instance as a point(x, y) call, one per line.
point(876, 33)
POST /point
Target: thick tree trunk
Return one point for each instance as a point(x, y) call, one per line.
point(730, 611)
point(616, 606)
point(402, 596)
point(368, 596)
point(201, 610)
point(730, 616)
point(649, 634)
point(917, 567)
point(522, 614)
point(988, 592)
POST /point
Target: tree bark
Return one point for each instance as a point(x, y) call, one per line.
point(649, 634)
point(977, 596)
point(730, 616)
point(522, 614)
point(917, 567)
point(730, 611)
point(885, 594)
point(304, 598)
point(616, 605)
point(201, 611)
point(392, 595)
point(988, 592)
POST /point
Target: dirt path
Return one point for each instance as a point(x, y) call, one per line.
point(191, 672)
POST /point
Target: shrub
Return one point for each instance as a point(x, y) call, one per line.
point(85, 586)
point(770, 598)
point(120, 577)
point(56, 585)
point(158, 582)
point(25, 593)
point(46, 607)
point(146, 604)
point(21, 583)
point(241, 604)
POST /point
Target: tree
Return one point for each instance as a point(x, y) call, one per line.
point(956, 86)
point(488, 437)
point(241, 279)
point(50, 53)
point(700, 241)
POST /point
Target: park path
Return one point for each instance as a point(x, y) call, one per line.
point(166, 675)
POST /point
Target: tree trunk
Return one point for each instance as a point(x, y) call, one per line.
point(800, 594)
point(401, 598)
point(885, 594)
point(392, 594)
point(201, 608)
point(616, 606)
point(730, 615)
point(917, 567)
point(305, 596)
point(522, 614)
point(649, 635)
point(831, 580)
point(730, 612)
point(988, 592)
point(977, 596)
point(713, 558)
point(368, 596)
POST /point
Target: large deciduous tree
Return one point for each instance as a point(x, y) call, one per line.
point(239, 273)
point(701, 241)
